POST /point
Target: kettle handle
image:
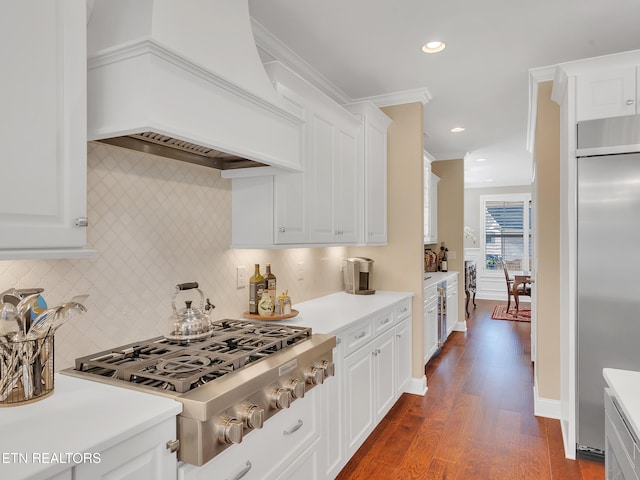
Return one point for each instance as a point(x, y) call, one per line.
point(186, 286)
point(181, 287)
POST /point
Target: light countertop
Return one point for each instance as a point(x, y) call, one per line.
point(79, 416)
point(626, 388)
point(333, 312)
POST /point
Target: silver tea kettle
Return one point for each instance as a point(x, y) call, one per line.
point(189, 323)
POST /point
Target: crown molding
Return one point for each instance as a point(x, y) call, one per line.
point(536, 76)
point(274, 47)
point(421, 95)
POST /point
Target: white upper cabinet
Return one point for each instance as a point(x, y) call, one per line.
point(606, 93)
point(43, 203)
point(333, 175)
point(430, 202)
point(373, 138)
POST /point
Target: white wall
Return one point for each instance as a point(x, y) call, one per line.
point(157, 222)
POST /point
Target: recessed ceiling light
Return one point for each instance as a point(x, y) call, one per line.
point(433, 47)
point(481, 159)
point(489, 179)
point(457, 129)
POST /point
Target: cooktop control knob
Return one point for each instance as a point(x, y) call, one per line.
point(329, 368)
point(230, 430)
point(281, 398)
point(296, 387)
point(315, 376)
point(252, 415)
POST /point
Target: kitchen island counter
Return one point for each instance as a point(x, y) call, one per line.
point(625, 385)
point(72, 426)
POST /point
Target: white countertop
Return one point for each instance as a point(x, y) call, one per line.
point(79, 416)
point(626, 388)
point(431, 278)
point(333, 312)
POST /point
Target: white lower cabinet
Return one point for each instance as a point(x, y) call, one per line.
point(452, 304)
point(142, 457)
point(271, 452)
point(430, 326)
point(333, 449)
point(403, 354)
point(305, 467)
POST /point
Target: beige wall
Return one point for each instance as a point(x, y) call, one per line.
point(451, 218)
point(399, 265)
point(547, 224)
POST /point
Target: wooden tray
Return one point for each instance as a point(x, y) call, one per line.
point(272, 318)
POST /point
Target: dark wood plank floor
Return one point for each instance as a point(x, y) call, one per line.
point(476, 420)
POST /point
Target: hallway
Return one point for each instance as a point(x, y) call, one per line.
point(476, 421)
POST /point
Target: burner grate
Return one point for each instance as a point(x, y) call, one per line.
point(160, 363)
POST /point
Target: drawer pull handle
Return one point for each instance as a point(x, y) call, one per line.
point(338, 341)
point(360, 335)
point(386, 320)
point(405, 309)
point(294, 429)
point(244, 471)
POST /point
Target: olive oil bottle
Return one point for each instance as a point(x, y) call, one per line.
point(257, 287)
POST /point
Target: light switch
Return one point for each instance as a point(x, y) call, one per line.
point(241, 276)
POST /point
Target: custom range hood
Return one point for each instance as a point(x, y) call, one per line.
point(183, 79)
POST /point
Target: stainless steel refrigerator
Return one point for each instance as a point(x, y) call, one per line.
point(608, 281)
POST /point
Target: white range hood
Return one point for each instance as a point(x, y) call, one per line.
point(186, 74)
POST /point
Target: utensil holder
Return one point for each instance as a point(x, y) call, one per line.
point(26, 370)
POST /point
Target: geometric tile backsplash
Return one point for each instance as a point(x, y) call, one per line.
point(156, 222)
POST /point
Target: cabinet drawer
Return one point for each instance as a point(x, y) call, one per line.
point(624, 434)
point(430, 294)
point(383, 322)
point(357, 336)
point(403, 310)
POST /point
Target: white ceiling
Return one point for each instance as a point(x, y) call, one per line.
point(371, 48)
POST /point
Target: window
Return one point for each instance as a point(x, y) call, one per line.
point(506, 231)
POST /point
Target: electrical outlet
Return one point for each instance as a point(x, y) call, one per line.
point(451, 255)
point(241, 276)
point(300, 271)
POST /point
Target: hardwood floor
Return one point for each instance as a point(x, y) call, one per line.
point(476, 420)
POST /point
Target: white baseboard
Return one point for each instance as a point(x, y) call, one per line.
point(460, 326)
point(417, 386)
point(545, 407)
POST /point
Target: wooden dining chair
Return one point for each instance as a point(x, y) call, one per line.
point(523, 289)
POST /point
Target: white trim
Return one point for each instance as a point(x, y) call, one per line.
point(460, 326)
point(275, 48)
point(418, 95)
point(545, 407)
point(536, 76)
point(51, 253)
point(525, 197)
point(417, 386)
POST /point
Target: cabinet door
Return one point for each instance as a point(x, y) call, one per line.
point(290, 208)
point(320, 176)
point(333, 432)
point(43, 124)
point(433, 208)
point(305, 466)
point(384, 389)
point(452, 308)
point(358, 386)
point(430, 329)
point(427, 202)
point(346, 202)
point(610, 93)
point(403, 355)
point(144, 456)
point(375, 176)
